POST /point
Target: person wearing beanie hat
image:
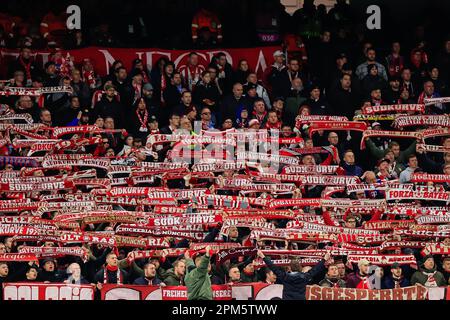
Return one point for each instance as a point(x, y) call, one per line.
point(148, 86)
point(395, 279)
point(139, 68)
point(318, 104)
point(49, 273)
point(360, 279)
point(32, 273)
point(427, 275)
point(248, 272)
point(376, 126)
point(272, 74)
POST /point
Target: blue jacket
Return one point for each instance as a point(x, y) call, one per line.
point(351, 169)
point(294, 283)
point(145, 282)
point(388, 283)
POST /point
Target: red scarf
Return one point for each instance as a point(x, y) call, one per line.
point(145, 77)
point(163, 86)
point(260, 117)
point(137, 92)
point(89, 78)
point(364, 283)
point(276, 125)
point(143, 121)
point(27, 67)
point(112, 269)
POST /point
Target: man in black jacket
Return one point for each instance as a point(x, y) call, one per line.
point(149, 277)
point(108, 106)
point(49, 272)
point(283, 84)
point(122, 85)
point(185, 105)
point(233, 104)
point(295, 282)
point(317, 102)
point(25, 63)
point(67, 114)
point(342, 99)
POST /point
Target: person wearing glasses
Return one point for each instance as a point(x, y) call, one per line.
point(205, 117)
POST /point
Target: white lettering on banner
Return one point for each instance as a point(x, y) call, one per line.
point(250, 291)
point(44, 291)
point(261, 62)
point(109, 59)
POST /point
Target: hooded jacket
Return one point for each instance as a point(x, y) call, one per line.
point(198, 280)
point(172, 279)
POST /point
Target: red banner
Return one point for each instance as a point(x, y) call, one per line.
point(47, 291)
point(102, 58)
point(247, 291)
point(416, 292)
point(244, 291)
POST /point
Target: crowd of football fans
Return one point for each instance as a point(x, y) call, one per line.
point(133, 109)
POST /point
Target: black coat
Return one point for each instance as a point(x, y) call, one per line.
point(282, 85)
point(49, 276)
point(344, 102)
point(166, 130)
point(83, 92)
point(134, 124)
point(240, 76)
point(125, 91)
point(112, 276)
point(16, 66)
point(294, 283)
point(105, 108)
point(319, 107)
point(231, 108)
point(64, 116)
point(206, 91)
point(172, 96)
point(370, 83)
